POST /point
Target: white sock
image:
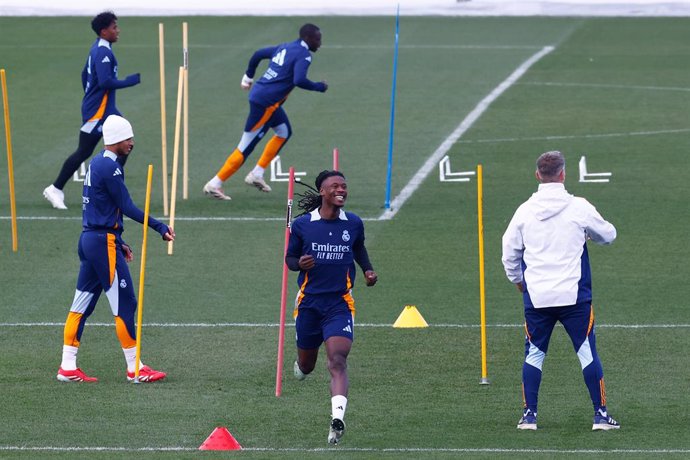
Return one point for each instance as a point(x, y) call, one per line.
point(69, 357)
point(338, 406)
point(258, 171)
point(131, 358)
point(216, 182)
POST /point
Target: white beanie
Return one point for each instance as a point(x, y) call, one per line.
point(116, 129)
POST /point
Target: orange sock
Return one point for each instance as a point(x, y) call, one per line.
point(71, 328)
point(270, 151)
point(232, 164)
point(126, 340)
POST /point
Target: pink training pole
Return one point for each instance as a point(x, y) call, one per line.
point(283, 294)
point(335, 160)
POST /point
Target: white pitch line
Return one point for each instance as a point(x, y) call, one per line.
point(372, 325)
point(608, 86)
point(325, 47)
point(496, 450)
point(470, 119)
point(577, 136)
point(186, 219)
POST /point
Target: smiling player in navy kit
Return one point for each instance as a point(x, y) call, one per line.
point(325, 242)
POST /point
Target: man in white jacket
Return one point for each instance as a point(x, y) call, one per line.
point(545, 256)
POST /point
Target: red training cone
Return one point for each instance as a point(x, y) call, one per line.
point(220, 439)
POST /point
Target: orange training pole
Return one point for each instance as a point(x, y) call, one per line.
point(482, 291)
point(283, 294)
point(10, 163)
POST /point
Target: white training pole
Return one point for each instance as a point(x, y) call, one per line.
point(164, 131)
point(185, 111)
point(176, 151)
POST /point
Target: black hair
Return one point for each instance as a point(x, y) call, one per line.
point(102, 21)
point(311, 199)
point(307, 30)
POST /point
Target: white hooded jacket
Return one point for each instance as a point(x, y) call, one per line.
point(544, 246)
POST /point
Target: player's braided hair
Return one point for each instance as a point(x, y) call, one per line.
point(311, 199)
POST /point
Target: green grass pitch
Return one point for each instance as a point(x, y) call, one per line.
point(616, 90)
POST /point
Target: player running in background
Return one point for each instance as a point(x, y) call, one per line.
point(104, 255)
point(545, 255)
point(99, 80)
point(325, 242)
point(288, 66)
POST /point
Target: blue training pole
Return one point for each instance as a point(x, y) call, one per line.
point(387, 205)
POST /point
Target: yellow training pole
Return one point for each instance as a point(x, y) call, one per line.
point(164, 131)
point(10, 163)
point(142, 271)
point(482, 291)
point(185, 111)
point(176, 152)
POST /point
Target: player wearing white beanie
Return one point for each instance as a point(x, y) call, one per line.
point(116, 129)
point(104, 255)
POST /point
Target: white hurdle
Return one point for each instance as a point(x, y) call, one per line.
point(80, 174)
point(445, 174)
point(587, 177)
point(277, 174)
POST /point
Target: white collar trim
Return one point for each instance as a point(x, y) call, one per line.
point(314, 215)
point(109, 154)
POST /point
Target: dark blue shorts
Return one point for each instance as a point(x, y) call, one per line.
point(578, 321)
point(315, 323)
point(261, 117)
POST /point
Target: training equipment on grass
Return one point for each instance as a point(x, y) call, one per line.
point(10, 163)
point(185, 114)
point(387, 204)
point(482, 291)
point(164, 131)
point(284, 287)
point(277, 174)
point(587, 177)
point(220, 439)
point(142, 271)
point(336, 159)
point(445, 174)
point(80, 173)
point(410, 317)
point(176, 151)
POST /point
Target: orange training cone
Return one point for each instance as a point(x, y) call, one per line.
point(220, 439)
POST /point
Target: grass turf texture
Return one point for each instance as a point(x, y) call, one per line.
point(606, 79)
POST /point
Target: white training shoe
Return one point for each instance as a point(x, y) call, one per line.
point(215, 192)
point(257, 182)
point(299, 375)
point(336, 431)
point(55, 196)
